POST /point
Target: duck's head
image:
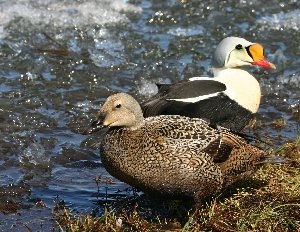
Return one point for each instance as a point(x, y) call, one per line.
point(119, 110)
point(234, 52)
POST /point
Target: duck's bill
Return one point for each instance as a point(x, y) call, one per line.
point(264, 63)
point(94, 127)
point(256, 51)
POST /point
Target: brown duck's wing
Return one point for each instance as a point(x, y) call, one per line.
point(218, 150)
point(221, 148)
point(242, 160)
point(196, 134)
point(181, 131)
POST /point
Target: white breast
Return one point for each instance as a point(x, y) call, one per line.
point(241, 87)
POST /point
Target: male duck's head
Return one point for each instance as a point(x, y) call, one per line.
point(234, 52)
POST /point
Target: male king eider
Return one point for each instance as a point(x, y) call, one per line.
point(171, 154)
point(229, 99)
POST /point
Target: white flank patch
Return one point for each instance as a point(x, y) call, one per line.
point(199, 98)
point(195, 99)
point(202, 79)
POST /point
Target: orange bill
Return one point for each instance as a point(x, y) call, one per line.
point(257, 53)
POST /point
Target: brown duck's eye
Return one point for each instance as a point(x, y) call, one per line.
point(239, 47)
point(118, 106)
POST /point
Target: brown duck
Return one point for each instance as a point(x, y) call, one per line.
point(170, 155)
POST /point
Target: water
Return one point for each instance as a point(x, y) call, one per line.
point(60, 59)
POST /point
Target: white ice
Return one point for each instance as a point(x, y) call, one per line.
point(65, 13)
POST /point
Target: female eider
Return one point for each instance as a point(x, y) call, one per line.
point(170, 155)
point(229, 99)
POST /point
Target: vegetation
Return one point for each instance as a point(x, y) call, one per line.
point(270, 202)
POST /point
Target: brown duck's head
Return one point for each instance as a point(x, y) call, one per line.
point(119, 110)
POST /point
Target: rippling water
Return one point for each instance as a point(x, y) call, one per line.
point(60, 59)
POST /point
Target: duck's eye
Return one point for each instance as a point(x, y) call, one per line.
point(239, 47)
point(118, 106)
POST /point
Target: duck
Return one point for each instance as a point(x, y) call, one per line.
point(170, 155)
point(229, 99)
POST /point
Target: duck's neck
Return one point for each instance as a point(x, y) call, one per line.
point(139, 122)
point(232, 75)
point(220, 71)
point(216, 71)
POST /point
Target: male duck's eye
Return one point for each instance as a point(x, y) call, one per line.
point(239, 47)
point(118, 106)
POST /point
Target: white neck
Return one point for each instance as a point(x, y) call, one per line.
point(216, 71)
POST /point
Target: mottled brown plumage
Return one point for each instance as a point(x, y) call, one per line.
point(171, 155)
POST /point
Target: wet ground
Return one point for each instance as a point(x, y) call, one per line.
point(61, 59)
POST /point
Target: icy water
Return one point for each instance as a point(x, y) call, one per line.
point(61, 59)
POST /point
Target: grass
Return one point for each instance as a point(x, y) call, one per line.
point(269, 201)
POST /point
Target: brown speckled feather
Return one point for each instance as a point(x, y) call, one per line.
point(163, 156)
